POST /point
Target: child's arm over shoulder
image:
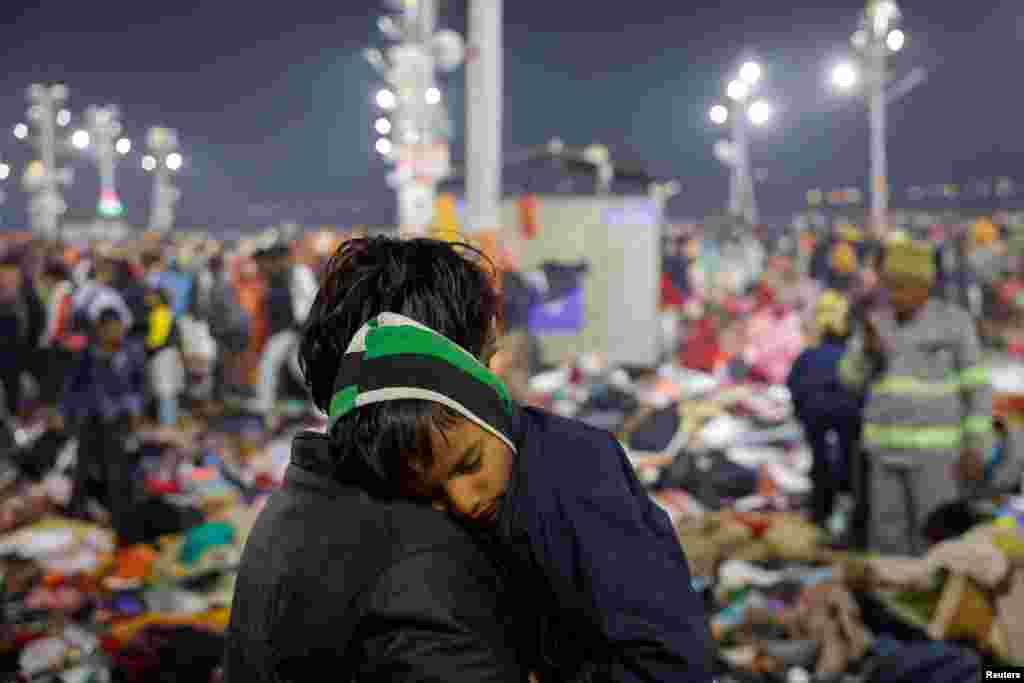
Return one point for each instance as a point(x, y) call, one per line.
point(630, 567)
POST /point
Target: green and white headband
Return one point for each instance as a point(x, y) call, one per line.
point(395, 358)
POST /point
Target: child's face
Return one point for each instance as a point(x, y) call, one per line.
point(111, 332)
point(10, 281)
point(471, 471)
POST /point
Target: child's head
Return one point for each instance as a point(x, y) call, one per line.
point(10, 277)
point(109, 327)
point(54, 273)
point(158, 296)
point(422, 447)
point(106, 270)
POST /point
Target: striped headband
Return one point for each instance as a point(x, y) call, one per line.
point(394, 358)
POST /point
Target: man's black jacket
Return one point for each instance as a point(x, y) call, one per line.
point(336, 585)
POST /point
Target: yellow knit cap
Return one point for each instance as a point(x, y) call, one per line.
point(844, 258)
point(909, 261)
point(831, 313)
point(984, 232)
point(850, 233)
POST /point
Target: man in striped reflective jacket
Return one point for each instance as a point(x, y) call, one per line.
point(928, 415)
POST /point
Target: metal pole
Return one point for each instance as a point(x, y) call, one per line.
point(735, 192)
point(483, 117)
point(47, 203)
point(104, 128)
point(876, 106)
point(413, 77)
point(162, 142)
point(744, 203)
point(48, 152)
point(162, 213)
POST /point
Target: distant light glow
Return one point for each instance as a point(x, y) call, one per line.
point(895, 40)
point(21, 131)
point(5, 171)
point(433, 96)
point(63, 117)
point(174, 161)
point(124, 146)
point(383, 126)
point(383, 147)
point(386, 99)
point(80, 139)
point(750, 73)
point(760, 113)
point(844, 76)
point(149, 163)
point(719, 114)
point(737, 90)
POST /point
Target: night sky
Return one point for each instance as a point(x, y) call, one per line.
point(273, 101)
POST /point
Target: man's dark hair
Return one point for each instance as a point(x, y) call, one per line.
point(56, 271)
point(150, 259)
point(444, 286)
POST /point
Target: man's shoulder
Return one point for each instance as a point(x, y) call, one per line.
point(416, 528)
point(354, 518)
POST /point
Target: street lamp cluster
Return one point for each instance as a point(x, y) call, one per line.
point(876, 39)
point(739, 90)
point(99, 137)
point(413, 127)
point(734, 153)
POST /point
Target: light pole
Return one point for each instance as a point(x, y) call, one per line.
point(43, 179)
point(5, 173)
point(413, 113)
point(735, 152)
point(483, 119)
point(162, 161)
point(101, 136)
point(877, 36)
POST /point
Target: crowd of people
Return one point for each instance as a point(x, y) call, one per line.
point(893, 372)
point(551, 559)
point(107, 339)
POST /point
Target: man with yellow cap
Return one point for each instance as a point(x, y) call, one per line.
point(928, 415)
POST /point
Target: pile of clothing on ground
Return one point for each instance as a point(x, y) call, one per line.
point(81, 601)
point(788, 601)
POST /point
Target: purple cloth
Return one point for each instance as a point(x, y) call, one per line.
point(565, 315)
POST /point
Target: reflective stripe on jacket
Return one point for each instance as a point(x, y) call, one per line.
point(934, 390)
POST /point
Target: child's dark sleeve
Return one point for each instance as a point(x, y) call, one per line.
point(74, 400)
point(135, 400)
point(628, 561)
